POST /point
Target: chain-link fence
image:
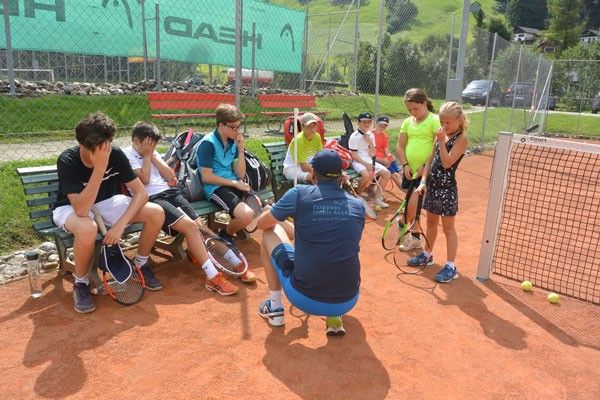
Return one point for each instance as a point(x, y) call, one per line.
point(70, 58)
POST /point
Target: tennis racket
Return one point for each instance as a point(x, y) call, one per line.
point(392, 232)
point(122, 281)
point(225, 256)
point(401, 257)
point(254, 202)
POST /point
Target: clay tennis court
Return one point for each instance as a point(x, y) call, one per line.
point(408, 337)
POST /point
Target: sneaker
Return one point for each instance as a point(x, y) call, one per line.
point(379, 202)
point(275, 317)
point(248, 277)
point(227, 237)
point(221, 285)
point(410, 242)
point(152, 282)
point(446, 274)
point(420, 260)
point(82, 299)
point(335, 326)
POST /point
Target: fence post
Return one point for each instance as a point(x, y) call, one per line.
point(378, 66)
point(304, 51)
point(547, 91)
point(238, 51)
point(462, 44)
point(449, 71)
point(144, 41)
point(356, 47)
point(512, 109)
point(487, 98)
point(10, 62)
point(157, 62)
point(253, 87)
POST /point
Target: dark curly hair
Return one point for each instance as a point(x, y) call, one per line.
point(95, 129)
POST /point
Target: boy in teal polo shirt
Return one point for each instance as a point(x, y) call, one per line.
point(222, 179)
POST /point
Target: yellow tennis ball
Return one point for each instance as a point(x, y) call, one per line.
point(526, 286)
point(553, 298)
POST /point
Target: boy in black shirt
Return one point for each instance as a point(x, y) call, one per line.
point(91, 175)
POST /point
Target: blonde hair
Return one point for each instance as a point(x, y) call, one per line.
point(416, 95)
point(452, 107)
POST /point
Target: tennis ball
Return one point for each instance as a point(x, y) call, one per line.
point(526, 286)
point(553, 298)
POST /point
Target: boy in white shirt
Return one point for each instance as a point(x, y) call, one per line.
point(362, 147)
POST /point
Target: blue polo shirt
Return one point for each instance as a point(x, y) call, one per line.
point(213, 154)
point(328, 224)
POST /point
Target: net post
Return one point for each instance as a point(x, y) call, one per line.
point(496, 198)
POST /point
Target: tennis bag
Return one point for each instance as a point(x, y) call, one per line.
point(181, 157)
point(343, 152)
point(258, 176)
point(348, 130)
point(288, 128)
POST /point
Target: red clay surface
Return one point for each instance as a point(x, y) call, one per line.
point(408, 337)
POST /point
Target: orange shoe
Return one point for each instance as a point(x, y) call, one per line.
point(248, 277)
point(221, 285)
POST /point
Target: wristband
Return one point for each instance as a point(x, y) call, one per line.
point(423, 182)
point(404, 165)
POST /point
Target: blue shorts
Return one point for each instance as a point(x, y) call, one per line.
point(282, 258)
point(394, 168)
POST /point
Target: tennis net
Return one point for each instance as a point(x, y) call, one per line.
point(543, 218)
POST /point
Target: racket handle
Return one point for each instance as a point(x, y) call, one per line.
point(99, 220)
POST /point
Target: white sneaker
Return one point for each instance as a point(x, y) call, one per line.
point(410, 243)
point(379, 202)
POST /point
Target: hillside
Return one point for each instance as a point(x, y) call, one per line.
point(434, 16)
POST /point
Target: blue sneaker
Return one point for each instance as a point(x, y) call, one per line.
point(446, 274)
point(420, 260)
point(275, 317)
point(82, 299)
point(152, 282)
point(226, 237)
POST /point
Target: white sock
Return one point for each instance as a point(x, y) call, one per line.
point(84, 279)
point(451, 264)
point(231, 257)
point(427, 254)
point(140, 261)
point(276, 299)
point(209, 269)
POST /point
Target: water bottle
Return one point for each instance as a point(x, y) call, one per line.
point(35, 278)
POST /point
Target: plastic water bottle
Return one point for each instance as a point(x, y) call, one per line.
point(35, 278)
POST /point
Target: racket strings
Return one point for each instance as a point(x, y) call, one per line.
point(128, 292)
point(226, 258)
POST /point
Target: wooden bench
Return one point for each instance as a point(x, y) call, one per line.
point(287, 102)
point(279, 183)
point(175, 106)
point(41, 185)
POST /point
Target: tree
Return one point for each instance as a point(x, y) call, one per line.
point(592, 14)
point(402, 14)
point(565, 24)
point(402, 68)
point(530, 13)
point(498, 26)
point(365, 74)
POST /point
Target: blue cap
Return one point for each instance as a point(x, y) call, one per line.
point(327, 162)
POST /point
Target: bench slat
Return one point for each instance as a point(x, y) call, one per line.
point(184, 105)
point(52, 188)
point(42, 201)
point(29, 179)
point(180, 116)
point(36, 170)
point(37, 214)
point(287, 104)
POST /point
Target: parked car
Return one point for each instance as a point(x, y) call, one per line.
point(596, 104)
point(549, 102)
point(477, 91)
point(195, 80)
point(520, 92)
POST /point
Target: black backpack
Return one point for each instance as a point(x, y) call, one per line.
point(348, 130)
point(181, 157)
point(258, 175)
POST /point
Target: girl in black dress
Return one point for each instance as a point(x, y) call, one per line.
point(439, 184)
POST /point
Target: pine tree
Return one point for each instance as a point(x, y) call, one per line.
point(530, 13)
point(565, 23)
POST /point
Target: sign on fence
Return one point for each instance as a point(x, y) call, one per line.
point(194, 31)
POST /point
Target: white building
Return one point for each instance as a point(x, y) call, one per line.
point(590, 36)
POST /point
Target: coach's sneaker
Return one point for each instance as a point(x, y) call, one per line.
point(275, 317)
point(335, 326)
point(420, 260)
point(226, 237)
point(152, 282)
point(446, 274)
point(221, 285)
point(82, 299)
point(410, 242)
point(248, 277)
